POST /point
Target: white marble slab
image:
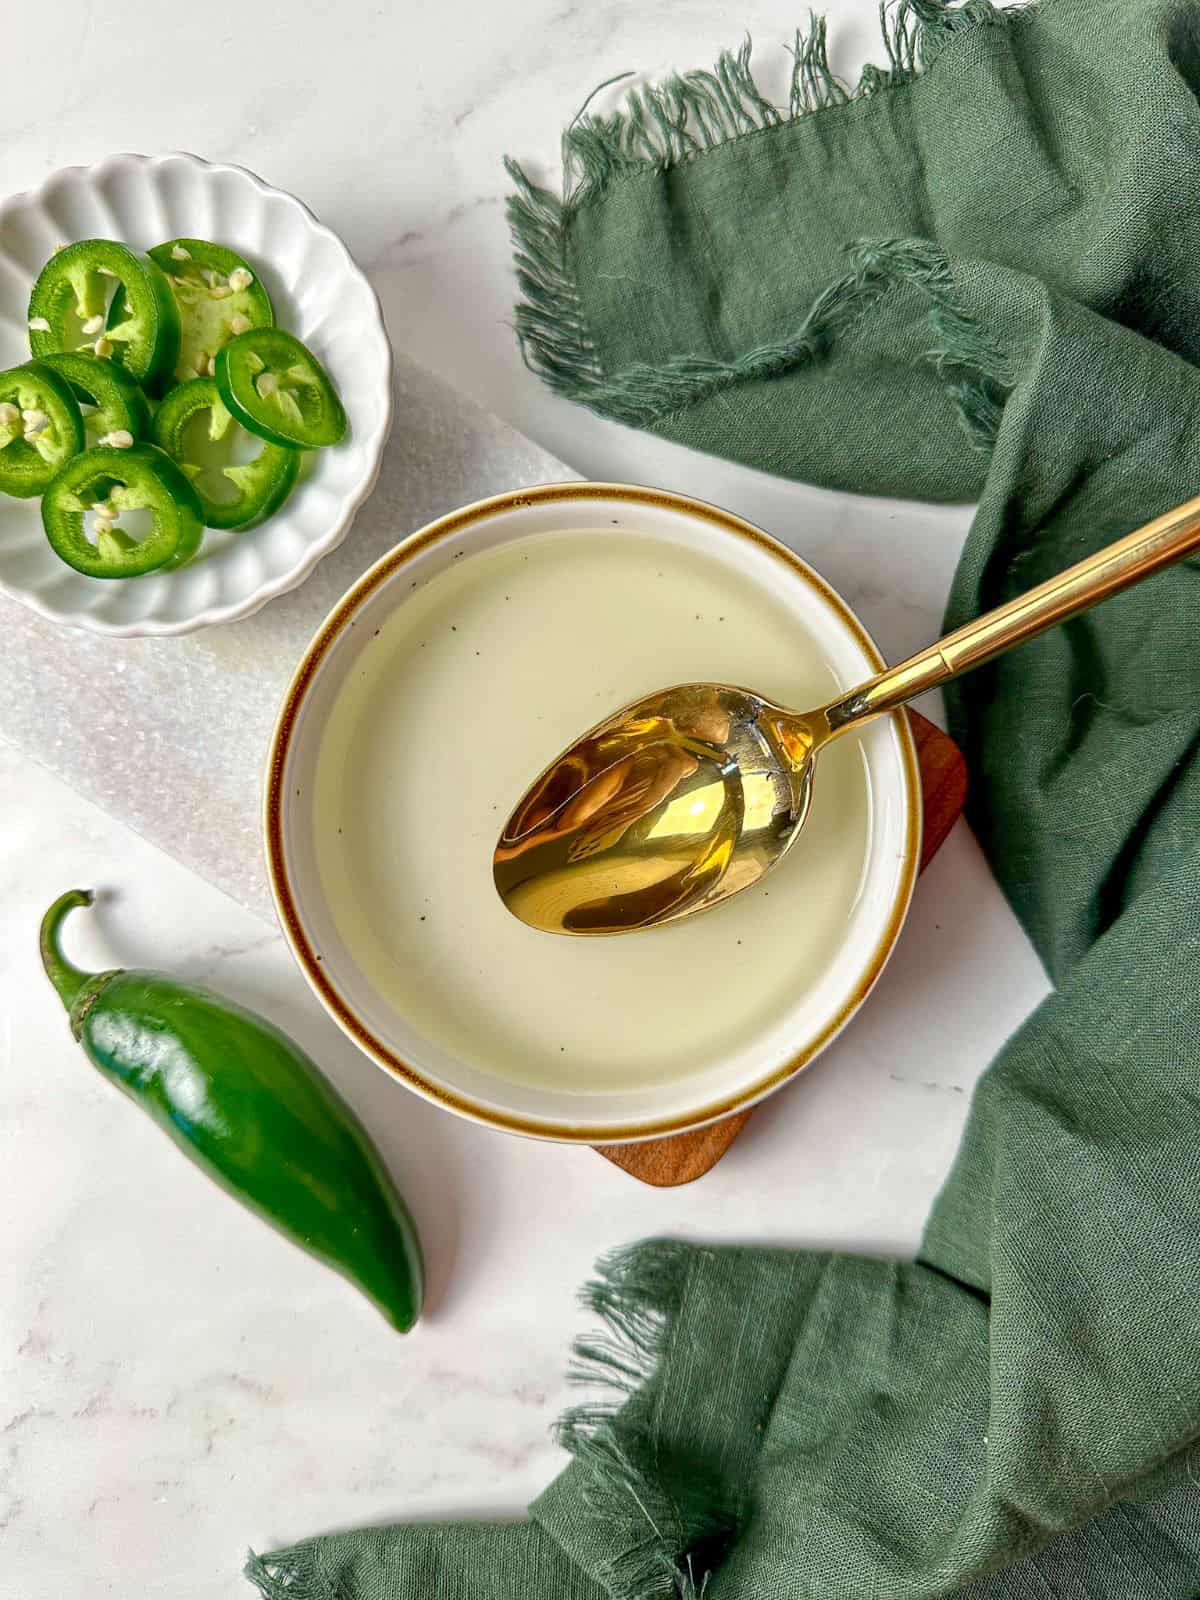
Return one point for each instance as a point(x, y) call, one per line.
point(174, 1381)
point(170, 735)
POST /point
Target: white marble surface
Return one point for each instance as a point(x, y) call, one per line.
point(174, 1381)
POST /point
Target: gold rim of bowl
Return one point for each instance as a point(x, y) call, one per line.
point(285, 901)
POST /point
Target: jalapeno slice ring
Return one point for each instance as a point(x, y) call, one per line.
point(276, 387)
point(219, 295)
point(121, 407)
point(69, 309)
point(41, 428)
point(109, 482)
point(261, 485)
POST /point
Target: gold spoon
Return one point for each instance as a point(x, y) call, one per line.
point(690, 795)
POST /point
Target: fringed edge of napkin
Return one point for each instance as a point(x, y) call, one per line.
point(286, 1575)
point(659, 1537)
point(663, 125)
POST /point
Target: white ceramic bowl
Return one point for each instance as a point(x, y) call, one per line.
point(319, 294)
point(813, 1010)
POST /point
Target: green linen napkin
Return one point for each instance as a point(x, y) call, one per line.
point(975, 274)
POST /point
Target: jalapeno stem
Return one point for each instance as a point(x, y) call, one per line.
point(67, 979)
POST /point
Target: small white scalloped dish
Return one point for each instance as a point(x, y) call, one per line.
point(319, 294)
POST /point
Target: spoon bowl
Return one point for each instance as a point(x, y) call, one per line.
point(670, 805)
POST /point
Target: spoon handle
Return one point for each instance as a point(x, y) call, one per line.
point(1118, 566)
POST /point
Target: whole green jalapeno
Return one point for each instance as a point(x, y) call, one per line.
point(251, 1110)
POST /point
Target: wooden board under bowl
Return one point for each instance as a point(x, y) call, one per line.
point(686, 1156)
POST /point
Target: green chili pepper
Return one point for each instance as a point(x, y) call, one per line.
point(260, 486)
point(109, 481)
point(121, 407)
point(69, 309)
point(251, 1110)
point(218, 294)
point(277, 388)
point(40, 428)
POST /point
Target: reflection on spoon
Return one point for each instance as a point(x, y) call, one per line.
point(653, 814)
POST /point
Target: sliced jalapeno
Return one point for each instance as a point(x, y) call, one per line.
point(69, 309)
point(276, 387)
point(122, 414)
point(109, 482)
point(40, 428)
point(219, 296)
point(260, 485)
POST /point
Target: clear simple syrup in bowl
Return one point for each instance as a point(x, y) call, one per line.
point(430, 702)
